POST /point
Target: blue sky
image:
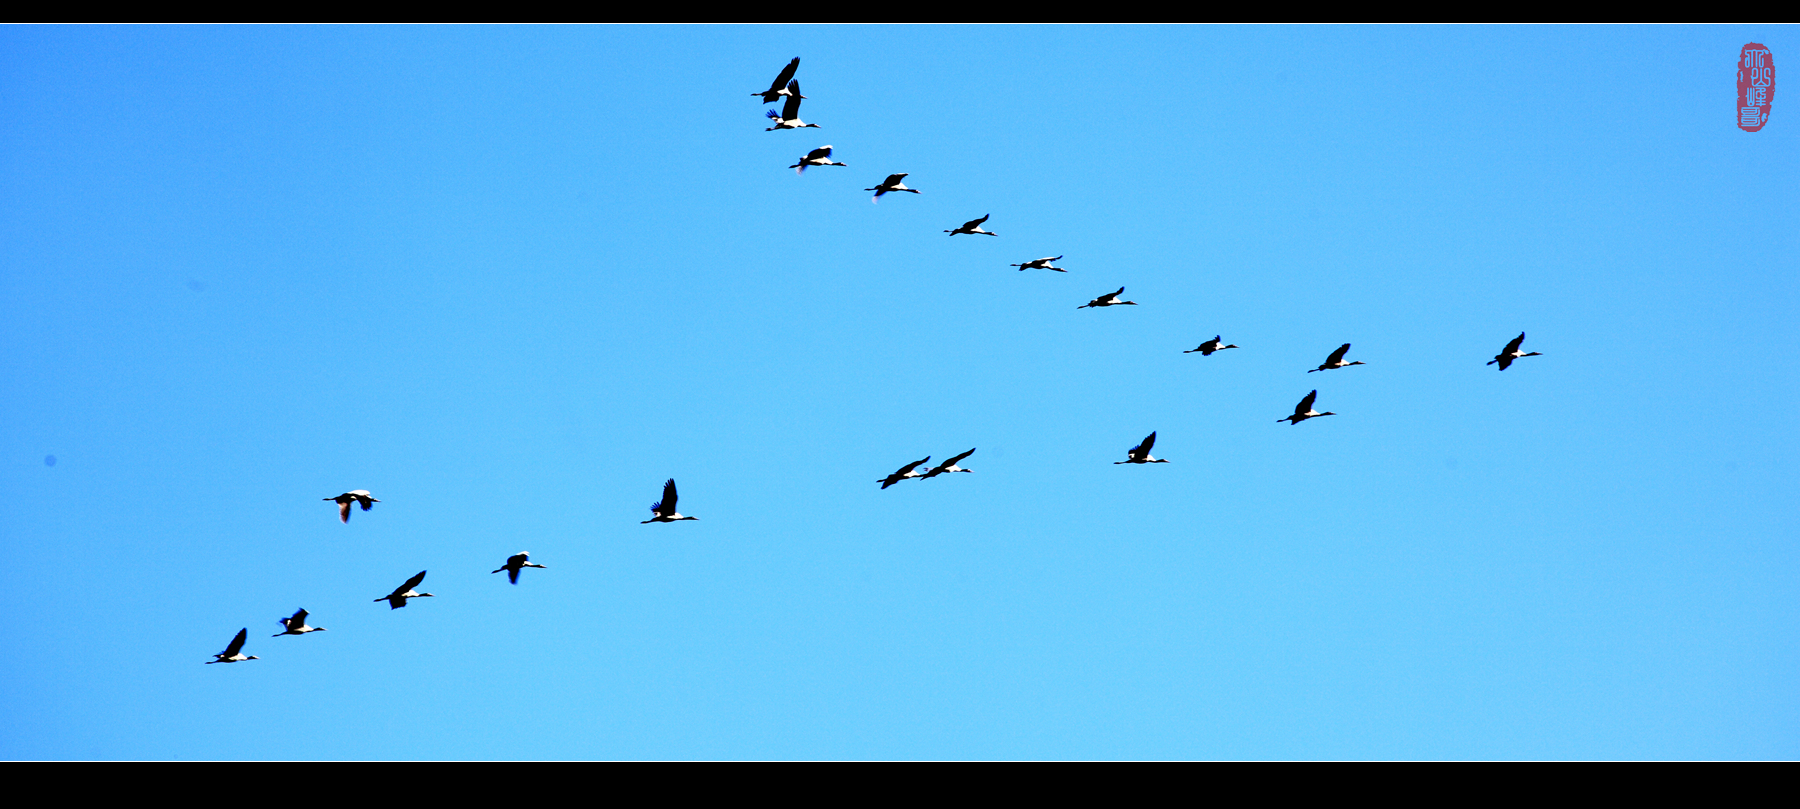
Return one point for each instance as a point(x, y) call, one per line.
point(511, 279)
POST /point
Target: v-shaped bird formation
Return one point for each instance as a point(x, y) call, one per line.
point(786, 90)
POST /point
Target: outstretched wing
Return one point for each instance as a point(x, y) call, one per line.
point(893, 179)
point(344, 509)
point(786, 75)
point(953, 461)
point(819, 154)
point(791, 109)
point(237, 643)
point(975, 223)
point(1306, 404)
point(412, 582)
point(1338, 355)
point(1514, 345)
point(299, 619)
point(1115, 295)
point(668, 499)
point(914, 465)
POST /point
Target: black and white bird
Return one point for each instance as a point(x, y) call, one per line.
point(948, 466)
point(1141, 452)
point(910, 470)
point(397, 599)
point(973, 226)
point(1039, 264)
point(780, 86)
point(296, 625)
point(1207, 348)
point(234, 652)
point(1304, 411)
point(1336, 360)
point(817, 157)
point(1512, 352)
point(515, 563)
point(789, 117)
point(892, 183)
point(358, 496)
point(1109, 299)
point(664, 509)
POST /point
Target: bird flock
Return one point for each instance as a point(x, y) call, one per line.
point(786, 89)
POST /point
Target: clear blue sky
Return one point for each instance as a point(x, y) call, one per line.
point(511, 279)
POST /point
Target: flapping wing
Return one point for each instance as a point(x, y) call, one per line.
point(668, 498)
point(1514, 345)
point(975, 223)
point(1338, 355)
point(412, 582)
point(237, 643)
point(786, 75)
point(893, 179)
point(819, 154)
point(299, 619)
point(791, 110)
point(344, 510)
point(1305, 405)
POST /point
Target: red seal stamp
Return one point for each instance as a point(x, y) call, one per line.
point(1756, 86)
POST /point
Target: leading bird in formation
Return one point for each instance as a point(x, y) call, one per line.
point(1511, 353)
point(515, 563)
point(296, 625)
point(234, 652)
point(397, 599)
point(358, 496)
point(1141, 452)
point(1336, 360)
point(664, 509)
point(947, 466)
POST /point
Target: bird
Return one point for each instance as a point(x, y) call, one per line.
point(789, 117)
point(514, 563)
point(1511, 353)
point(1336, 360)
point(948, 466)
point(397, 599)
point(892, 183)
point(1141, 452)
point(817, 157)
point(973, 226)
point(232, 653)
point(910, 470)
point(357, 496)
point(1304, 411)
point(1109, 299)
point(1039, 264)
point(664, 509)
point(296, 625)
point(780, 86)
point(1207, 348)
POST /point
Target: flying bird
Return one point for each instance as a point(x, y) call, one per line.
point(1039, 264)
point(233, 653)
point(1336, 360)
point(296, 625)
point(1207, 348)
point(780, 86)
point(817, 157)
point(973, 226)
point(1109, 299)
point(910, 470)
point(892, 183)
point(789, 117)
point(1141, 452)
point(1304, 411)
point(358, 496)
point(1511, 353)
point(397, 599)
point(664, 509)
point(948, 466)
point(515, 563)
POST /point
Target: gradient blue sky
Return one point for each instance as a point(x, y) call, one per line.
point(511, 279)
